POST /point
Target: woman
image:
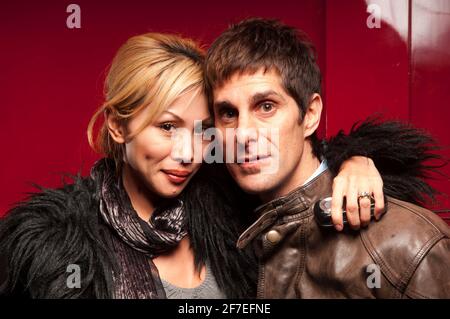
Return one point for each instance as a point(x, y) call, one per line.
point(149, 222)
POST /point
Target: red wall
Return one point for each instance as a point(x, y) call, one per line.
point(51, 76)
point(401, 70)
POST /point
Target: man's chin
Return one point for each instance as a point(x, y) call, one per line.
point(254, 184)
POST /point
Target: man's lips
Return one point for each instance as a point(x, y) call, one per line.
point(250, 159)
point(253, 164)
point(177, 176)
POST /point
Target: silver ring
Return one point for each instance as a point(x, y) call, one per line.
point(364, 195)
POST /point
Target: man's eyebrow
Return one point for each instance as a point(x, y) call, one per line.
point(258, 97)
point(223, 104)
point(207, 121)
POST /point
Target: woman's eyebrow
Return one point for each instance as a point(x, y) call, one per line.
point(174, 115)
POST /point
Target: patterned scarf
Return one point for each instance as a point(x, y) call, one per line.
point(160, 234)
point(138, 276)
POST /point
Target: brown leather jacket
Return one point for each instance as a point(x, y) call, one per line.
point(409, 248)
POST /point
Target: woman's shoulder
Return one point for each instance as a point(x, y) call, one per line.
point(61, 205)
point(51, 230)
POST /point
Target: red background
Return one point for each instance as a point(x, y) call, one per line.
point(51, 77)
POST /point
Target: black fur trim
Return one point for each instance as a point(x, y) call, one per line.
point(403, 155)
point(40, 237)
point(218, 212)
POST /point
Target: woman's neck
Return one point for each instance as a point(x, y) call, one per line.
point(178, 266)
point(142, 199)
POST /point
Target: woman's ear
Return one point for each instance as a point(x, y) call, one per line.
point(312, 117)
point(115, 129)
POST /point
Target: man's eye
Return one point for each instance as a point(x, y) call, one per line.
point(227, 113)
point(168, 127)
point(266, 107)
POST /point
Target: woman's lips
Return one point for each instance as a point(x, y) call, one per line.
point(176, 176)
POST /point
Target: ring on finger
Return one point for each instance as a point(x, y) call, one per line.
point(364, 195)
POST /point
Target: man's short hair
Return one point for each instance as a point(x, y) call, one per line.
point(255, 44)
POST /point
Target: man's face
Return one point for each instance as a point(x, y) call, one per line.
point(259, 101)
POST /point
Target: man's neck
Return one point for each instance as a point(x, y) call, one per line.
point(306, 168)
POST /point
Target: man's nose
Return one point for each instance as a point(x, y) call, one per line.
point(246, 130)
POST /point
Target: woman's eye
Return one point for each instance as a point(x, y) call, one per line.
point(266, 107)
point(168, 127)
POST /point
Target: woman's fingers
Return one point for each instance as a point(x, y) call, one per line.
point(352, 186)
point(352, 207)
point(336, 203)
point(379, 198)
point(364, 210)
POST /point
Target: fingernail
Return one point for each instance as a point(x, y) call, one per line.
point(339, 227)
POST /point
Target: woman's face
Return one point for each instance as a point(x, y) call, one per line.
point(163, 164)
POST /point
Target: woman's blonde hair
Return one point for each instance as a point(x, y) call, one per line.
point(149, 69)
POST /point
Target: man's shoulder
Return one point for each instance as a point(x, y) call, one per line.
point(402, 238)
point(429, 217)
point(404, 221)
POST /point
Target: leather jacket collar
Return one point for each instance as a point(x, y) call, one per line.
point(293, 205)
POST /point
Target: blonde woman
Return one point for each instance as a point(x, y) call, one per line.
point(146, 223)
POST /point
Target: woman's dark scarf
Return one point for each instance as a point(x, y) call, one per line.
point(136, 241)
point(162, 233)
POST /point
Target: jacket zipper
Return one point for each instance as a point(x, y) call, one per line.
point(260, 290)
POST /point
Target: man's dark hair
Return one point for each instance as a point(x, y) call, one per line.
point(256, 44)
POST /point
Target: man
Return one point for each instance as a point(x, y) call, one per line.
point(264, 76)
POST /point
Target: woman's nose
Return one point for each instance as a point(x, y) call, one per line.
point(182, 150)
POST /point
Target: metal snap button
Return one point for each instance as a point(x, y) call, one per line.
point(273, 236)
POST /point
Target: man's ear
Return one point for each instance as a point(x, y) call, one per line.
point(311, 120)
point(115, 129)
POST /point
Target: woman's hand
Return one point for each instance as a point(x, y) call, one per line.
point(357, 175)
